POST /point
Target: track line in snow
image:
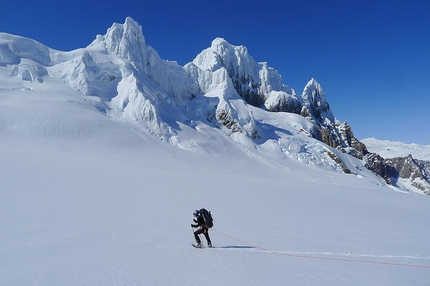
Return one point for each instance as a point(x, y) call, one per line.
point(360, 255)
point(331, 256)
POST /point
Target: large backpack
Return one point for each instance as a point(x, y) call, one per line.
point(207, 217)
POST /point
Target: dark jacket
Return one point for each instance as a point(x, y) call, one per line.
point(200, 222)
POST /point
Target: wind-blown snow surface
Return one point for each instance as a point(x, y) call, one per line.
point(86, 200)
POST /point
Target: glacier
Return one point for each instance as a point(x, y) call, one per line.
point(104, 158)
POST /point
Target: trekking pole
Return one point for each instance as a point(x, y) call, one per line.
point(192, 230)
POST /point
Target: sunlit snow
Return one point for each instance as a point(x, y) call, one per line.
point(99, 184)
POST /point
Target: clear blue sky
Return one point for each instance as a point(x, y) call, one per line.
point(372, 58)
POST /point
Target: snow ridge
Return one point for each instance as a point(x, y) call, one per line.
point(390, 149)
point(222, 90)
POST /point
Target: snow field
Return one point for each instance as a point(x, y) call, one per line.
point(89, 197)
point(105, 216)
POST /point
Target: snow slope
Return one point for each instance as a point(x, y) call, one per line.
point(87, 200)
point(91, 195)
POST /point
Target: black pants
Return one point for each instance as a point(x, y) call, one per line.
point(205, 231)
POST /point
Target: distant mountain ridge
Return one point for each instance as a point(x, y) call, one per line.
point(391, 149)
point(223, 88)
point(399, 161)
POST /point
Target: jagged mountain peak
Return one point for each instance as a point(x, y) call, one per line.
point(314, 82)
point(253, 81)
point(223, 54)
point(127, 42)
point(315, 102)
point(214, 92)
point(223, 48)
point(313, 91)
point(129, 31)
point(220, 42)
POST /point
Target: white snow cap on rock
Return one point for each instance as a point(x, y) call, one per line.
point(315, 100)
point(241, 67)
point(222, 97)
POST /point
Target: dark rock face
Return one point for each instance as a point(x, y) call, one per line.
point(312, 105)
point(377, 164)
point(286, 104)
point(416, 171)
point(340, 136)
point(408, 168)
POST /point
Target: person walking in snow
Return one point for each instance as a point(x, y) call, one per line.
point(202, 228)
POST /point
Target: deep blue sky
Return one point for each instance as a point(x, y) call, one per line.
point(372, 58)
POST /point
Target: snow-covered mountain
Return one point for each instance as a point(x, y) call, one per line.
point(390, 149)
point(106, 151)
point(400, 162)
point(222, 92)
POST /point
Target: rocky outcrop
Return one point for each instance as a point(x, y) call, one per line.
point(335, 158)
point(377, 164)
point(392, 170)
point(261, 86)
point(406, 166)
point(327, 128)
point(416, 171)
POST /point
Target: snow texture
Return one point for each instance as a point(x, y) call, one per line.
point(92, 196)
